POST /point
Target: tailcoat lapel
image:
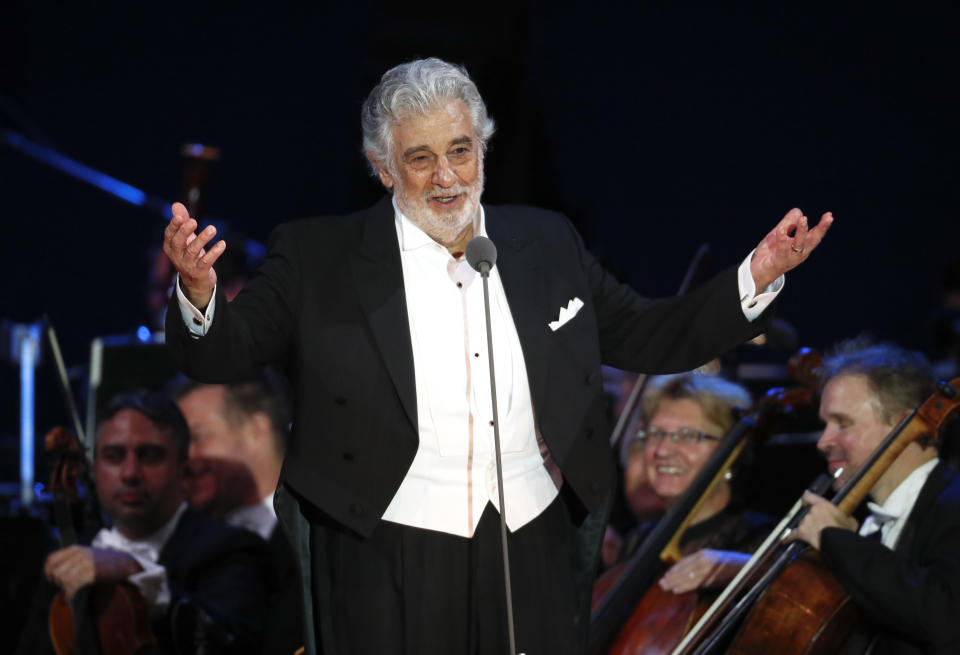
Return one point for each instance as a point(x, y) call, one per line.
point(521, 266)
point(379, 278)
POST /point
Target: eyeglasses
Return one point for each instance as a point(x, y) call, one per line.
point(683, 435)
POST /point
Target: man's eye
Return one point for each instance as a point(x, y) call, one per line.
point(112, 454)
point(152, 454)
point(419, 161)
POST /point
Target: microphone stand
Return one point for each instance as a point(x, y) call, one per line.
point(483, 267)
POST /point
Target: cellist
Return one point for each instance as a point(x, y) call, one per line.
point(156, 542)
point(902, 565)
point(683, 419)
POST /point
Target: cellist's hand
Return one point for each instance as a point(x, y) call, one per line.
point(822, 514)
point(74, 567)
point(702, 569)
point(185, 249)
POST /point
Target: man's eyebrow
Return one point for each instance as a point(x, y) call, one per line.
point(410, 151)
point(837, 416)
point(461, 140)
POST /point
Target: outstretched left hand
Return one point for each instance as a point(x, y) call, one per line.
point(786, 246)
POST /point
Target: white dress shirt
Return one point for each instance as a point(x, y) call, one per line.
point(152, 581)
point(453, 474)
point(890, 517)
point(260, 518)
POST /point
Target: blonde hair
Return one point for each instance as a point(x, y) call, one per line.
point(717, 397)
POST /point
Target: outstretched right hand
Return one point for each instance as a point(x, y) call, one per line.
point(185, 249)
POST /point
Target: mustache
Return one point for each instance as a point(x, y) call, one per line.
point(455, 190)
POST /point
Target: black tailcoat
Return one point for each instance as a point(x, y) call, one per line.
point(328, 306)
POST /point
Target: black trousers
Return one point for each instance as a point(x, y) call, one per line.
point(409, 591)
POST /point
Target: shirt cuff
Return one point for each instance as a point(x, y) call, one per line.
point(197, 322)
point(751, 302)
point(152, 581)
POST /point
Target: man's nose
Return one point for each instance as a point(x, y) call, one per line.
point(826, 439)
point(130, 469)
point(443, 174)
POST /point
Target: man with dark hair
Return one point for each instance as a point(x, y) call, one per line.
point(379, 321)
point(902, 566)
point(170, 553)
point(238, 435)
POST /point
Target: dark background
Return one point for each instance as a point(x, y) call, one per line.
point(655, 127)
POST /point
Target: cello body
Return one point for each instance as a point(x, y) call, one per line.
point(804, 612)
point(659, 621)
point(121, 621)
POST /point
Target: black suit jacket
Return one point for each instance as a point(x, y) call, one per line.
point(911, 595)
point(284, 632)
point(226, 571)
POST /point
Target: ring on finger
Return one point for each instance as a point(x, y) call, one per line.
point(799, 250)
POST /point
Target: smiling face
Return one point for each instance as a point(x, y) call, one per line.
point(219, 478)
point(672, 466)
point(139, 480)
point(854, 427)
point(437, 172)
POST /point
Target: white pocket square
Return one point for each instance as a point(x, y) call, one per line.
point(566, 313)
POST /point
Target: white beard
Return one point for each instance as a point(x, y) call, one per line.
point(442, 226)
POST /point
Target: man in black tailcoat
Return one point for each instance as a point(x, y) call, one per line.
point(379, 322)
point(902, 566)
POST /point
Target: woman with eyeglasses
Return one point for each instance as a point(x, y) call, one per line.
point(683, 418)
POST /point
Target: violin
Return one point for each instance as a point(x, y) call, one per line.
point(785, 598)
point(627, 602)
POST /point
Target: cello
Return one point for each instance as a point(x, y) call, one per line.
point(654, 620)
point(779, 613)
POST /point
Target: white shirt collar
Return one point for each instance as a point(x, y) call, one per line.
point(901, 500)
point(149, 547)
point(892, 515)
point(260, 518)
point(412, 237)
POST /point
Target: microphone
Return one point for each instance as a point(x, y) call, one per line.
point(481, 254)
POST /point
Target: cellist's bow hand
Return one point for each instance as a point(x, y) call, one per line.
point(822, 514)
point(786, 246)
point(188, 253)
point(703, 569)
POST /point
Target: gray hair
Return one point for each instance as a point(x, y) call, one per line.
point(899, 379)
point(418, 87)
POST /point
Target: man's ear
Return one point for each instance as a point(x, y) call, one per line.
point(261, 429)
point(382, 171)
